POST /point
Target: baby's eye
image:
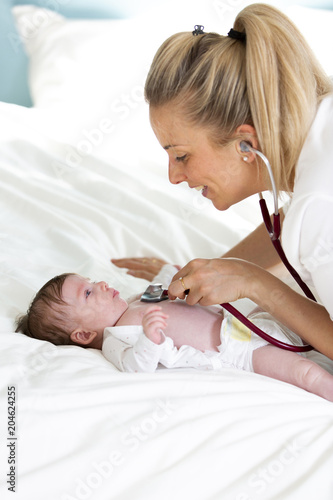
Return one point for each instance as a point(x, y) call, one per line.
point(87, 293)
point(181, 158)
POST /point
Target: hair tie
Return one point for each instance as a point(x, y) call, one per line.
point(237, 35)
point(198, 30)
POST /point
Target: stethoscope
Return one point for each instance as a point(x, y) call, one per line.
point(155, 292)
point(274, 231)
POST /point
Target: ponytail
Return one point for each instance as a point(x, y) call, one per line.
point(285, 84)
point(271, 80)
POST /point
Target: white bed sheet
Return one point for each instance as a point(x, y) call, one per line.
point(84, 430)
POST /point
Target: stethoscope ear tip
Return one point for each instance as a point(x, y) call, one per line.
point(245, 147)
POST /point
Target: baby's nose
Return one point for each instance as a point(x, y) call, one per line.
point(103, 285)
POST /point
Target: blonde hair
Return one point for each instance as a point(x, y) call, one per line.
point(271, 81)
point(47, 317)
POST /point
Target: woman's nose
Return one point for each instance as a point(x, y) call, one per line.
point(176, 174)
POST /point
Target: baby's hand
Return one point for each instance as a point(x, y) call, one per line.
point(153, 322)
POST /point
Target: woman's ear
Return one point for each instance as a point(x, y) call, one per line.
point(82, 337)
point(246, 134)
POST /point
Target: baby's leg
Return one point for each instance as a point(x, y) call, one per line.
point(290, 367)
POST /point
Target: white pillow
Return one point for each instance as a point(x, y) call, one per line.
point(78, 62)
point(91, 74)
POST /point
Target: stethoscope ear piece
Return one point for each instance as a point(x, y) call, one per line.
point(245, 147)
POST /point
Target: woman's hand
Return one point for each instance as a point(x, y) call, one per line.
point(146, 268)
point(215, 281)
point(153, 322)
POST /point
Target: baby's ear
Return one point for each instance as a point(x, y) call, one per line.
point(82, 337)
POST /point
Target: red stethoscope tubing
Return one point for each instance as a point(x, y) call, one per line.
point(243, 319)
point(274, 233)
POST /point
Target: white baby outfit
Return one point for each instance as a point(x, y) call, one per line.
point(127, 347)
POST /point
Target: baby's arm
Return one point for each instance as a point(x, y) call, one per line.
point(290, 367)
point(144, 354)
point(153, 322)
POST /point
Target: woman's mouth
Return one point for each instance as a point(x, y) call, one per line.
point(203, 189)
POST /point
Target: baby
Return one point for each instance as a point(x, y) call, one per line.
point(136, 336)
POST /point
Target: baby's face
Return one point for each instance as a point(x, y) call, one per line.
point(95, 306)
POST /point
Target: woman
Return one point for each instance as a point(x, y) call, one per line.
point(260, 84)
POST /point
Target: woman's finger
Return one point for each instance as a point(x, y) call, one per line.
point(183, 282)
point(178, 288)
point(138, 262)
point(141, 267)
point(131, 262)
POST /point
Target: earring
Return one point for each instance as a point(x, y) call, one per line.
point(245, 158)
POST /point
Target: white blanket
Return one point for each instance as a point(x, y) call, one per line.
point(84, 430)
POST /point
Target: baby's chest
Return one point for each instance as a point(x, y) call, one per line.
point(178, 313)
point(134, 314)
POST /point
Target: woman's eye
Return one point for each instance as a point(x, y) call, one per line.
point(181, 158)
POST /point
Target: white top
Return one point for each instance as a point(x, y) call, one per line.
point(307, 235)
point(130, 350)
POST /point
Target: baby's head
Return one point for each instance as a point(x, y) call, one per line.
point(71, 310)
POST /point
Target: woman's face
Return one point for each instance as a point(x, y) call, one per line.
point(220, 172)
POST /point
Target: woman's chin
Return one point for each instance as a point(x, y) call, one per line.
point(220, 205)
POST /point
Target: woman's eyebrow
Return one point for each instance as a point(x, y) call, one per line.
point(175, 146)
